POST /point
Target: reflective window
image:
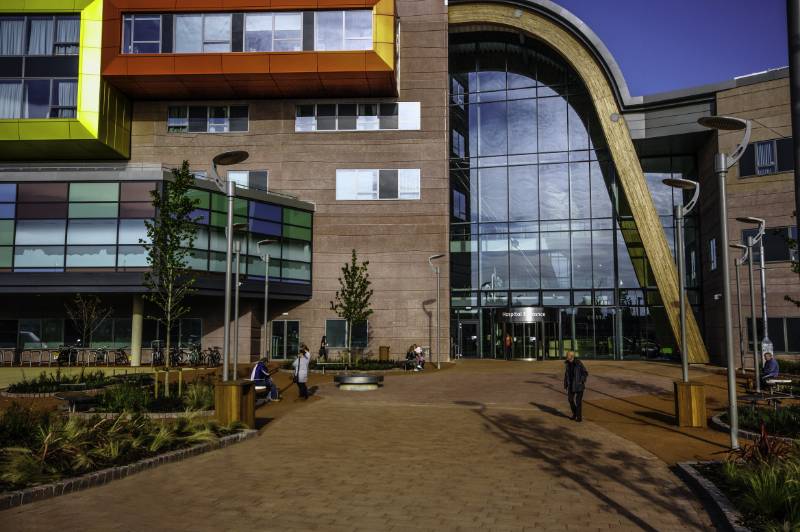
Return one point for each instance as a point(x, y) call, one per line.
point(207, 119)
point(343, 30)
point(357, 117)
point(359, 184)
point(141, 34)
point(38, 98)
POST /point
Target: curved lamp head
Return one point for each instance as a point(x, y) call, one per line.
point(729, 123)
point(752, 220)
point(685, 184)
point(434, 257)
point(225, 159)
point(262, 244)
point(745, 253)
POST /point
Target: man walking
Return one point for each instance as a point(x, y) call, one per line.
point(574, 383)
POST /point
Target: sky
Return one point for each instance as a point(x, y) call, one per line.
point(663, 45)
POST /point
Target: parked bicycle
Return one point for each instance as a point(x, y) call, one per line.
point(101, 355)
point(195, 354)
point(121, 357)
point(212, 356)
point(158, 353)
point(66, 354)
point(177, 356)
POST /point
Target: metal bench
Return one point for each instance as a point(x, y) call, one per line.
point(324, 365)
point(358, 383)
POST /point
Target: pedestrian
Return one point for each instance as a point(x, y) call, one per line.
point(323, 348)
point(262, 378)
point(507, 343)
point(300, 365)
point(574, 383)
point(420, 357)
point(770, 369)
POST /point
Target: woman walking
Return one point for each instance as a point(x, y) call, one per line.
point(301, 370)
point(323, 348)
point(575, 375)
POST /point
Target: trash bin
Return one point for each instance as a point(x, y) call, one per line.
point(383, 353)
point(236, 401)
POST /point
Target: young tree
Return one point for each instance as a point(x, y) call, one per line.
point(793, 247)
point(352, 300)
point(87, 313)
point(171, 234)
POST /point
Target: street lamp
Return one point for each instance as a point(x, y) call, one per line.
point(229, 187)
point(680, 213)
point(722, 162)
point(237, 244)
point(738, 263)
point(766, 343)
point(437, 271)
point(263, 252)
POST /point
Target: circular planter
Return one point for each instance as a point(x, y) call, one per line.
point(717, 423)
point(358, 383)
point(4, 393)
point(151, 415)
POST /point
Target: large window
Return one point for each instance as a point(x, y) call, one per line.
point(357, 116)
point(207, 119)
point(39, 35)
point(38, 98)
point(141, 34)
point(767, 157)
point(777, 242)
point(363, 184)
point(336, 333)
point(231, 32)
point(343, 30)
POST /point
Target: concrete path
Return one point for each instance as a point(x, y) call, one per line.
point(479, 447)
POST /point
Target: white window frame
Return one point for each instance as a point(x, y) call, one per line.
point(132, 17)
point(226, 125)
point(342, 46)
point(408, 118)
point(345, 332)
point(367, 184)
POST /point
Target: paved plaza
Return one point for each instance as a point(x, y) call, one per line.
point(482, 446)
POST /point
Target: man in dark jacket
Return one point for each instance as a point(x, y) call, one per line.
point(574, 383)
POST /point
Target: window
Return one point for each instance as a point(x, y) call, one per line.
point(258, 32)
point(403, 184)
point(207, 119)
point(67, 35)
point(141, 34)
point(12, 31)
point(206, 33)
point(357, 117)
point(459, 205)
point(38, 98)
point(288, 34)
point(767, 157)
point(343, 30)
point(776, 244)
point(249, 179)
point(712, 253)
point(336, 333)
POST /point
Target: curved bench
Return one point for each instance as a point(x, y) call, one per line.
point(358, 383)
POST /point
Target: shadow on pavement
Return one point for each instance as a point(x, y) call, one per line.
point(564, 454)
point(550, 410)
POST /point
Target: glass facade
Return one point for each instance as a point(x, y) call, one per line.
point(55, 227)
point(537, 217)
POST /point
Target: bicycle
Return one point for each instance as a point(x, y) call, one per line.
point(66, 353)
point(158, 354)
point(176, 356)
point(213, 356)
point(121, 357)
point(195, 354)
point(101, 355)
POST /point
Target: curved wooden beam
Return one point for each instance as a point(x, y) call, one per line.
point(620, 146)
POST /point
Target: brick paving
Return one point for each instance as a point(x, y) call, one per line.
point(482, 446)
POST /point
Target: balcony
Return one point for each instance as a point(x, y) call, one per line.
point(235, 52)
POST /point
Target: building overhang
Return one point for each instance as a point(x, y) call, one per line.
point(306, 74)
point(102, 127)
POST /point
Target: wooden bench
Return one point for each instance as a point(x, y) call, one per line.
point(324, 365)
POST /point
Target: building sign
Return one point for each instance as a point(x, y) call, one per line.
point(522, 314)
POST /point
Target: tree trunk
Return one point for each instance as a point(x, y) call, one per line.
point(349, 344)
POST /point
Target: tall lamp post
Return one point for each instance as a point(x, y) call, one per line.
point(722, 162)
point(738, 263)
point(437, 271)
point(766, 343)
point(229, 187)
point(680, 213)
point(263, 252)
point(237, 245)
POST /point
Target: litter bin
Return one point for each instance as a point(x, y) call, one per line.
point(236, 401)
point(383, 353)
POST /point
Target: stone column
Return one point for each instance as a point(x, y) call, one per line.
point(136, 330)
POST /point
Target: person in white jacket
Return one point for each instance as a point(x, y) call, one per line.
point(301, 370)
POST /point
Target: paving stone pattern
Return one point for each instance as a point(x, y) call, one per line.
point(462, 449)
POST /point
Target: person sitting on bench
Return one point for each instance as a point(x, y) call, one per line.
point(260, 375)
point(771, 369)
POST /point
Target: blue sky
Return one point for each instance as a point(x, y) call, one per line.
point(663, 45)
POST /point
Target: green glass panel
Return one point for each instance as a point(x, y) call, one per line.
point(93, 210)
point(6, 231)
point(201, 196)
point(298, 233)
point(5, 257)
point(291, 216)
point(220, 219)
point(240, 207)
point(94, 192)
point(219, 202)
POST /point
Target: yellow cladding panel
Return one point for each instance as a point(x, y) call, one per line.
point(44, 129)
point(383, 29)
point(386, 52)
point(620, 145)
point(384, 7)
point(9, 130)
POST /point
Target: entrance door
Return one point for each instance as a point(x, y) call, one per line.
point(526, 340)
point(285, 338)
point(468, 338)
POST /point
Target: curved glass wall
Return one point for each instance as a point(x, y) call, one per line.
point(537, 218)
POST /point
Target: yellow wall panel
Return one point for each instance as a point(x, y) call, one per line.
point(44, 129)
point(9, 130)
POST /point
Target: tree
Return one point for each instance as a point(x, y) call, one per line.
point(87, 313)
point(793, 250)
point(171, 234)
point(352, 300)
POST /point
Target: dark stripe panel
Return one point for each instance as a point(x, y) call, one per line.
point(237, 42)
point(52, 67)
point(166, 34)
point(308, 30)
point(10, 67)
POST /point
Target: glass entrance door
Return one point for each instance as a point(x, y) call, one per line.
point(526, 341)
point(468, 338)
point(285, 338)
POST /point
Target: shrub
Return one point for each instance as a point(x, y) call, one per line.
point(16, 423)
point(784, 421)
point(62, 447)
point(199, 396)
point(789, 366)
point(52, 382)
